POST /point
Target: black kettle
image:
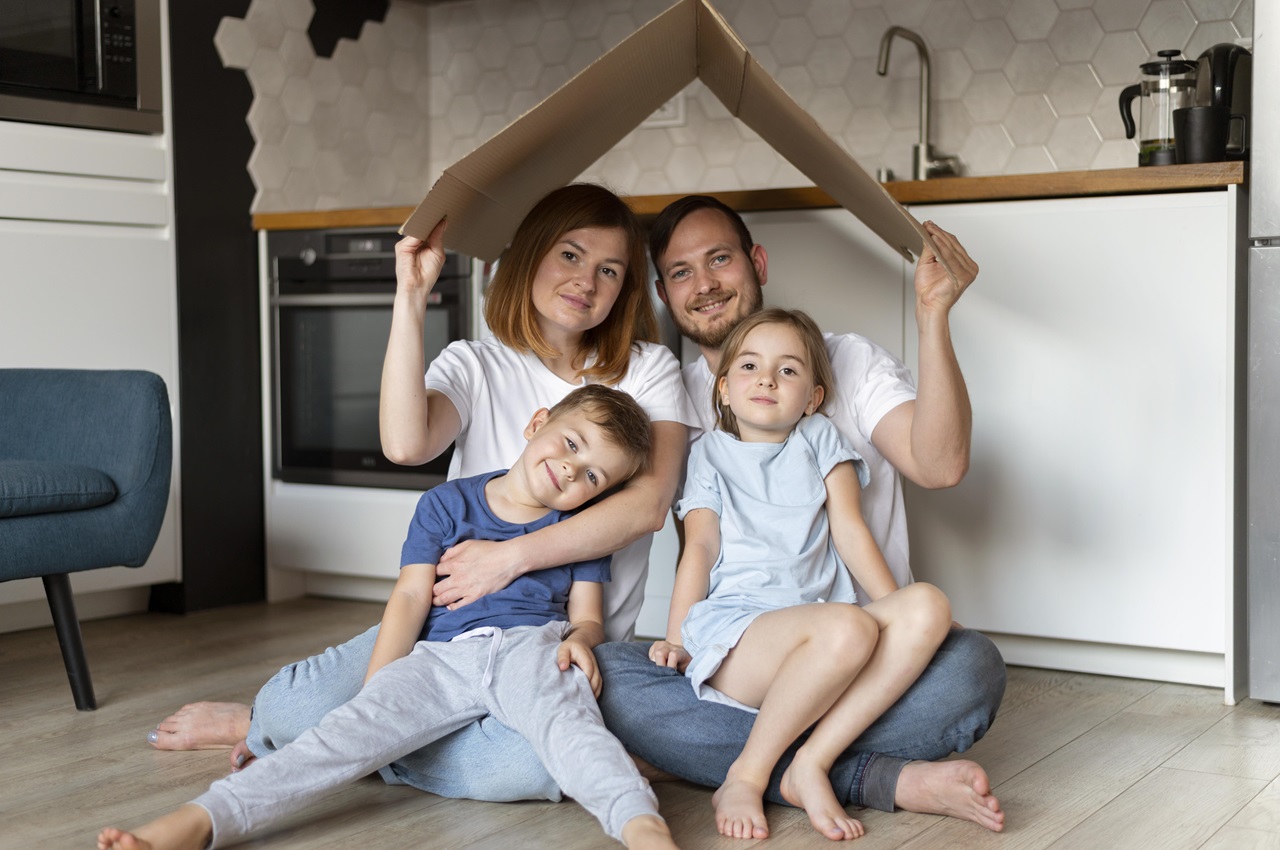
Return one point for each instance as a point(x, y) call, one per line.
point(1224, 75)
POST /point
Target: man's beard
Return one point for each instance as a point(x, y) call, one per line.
point(714, 335)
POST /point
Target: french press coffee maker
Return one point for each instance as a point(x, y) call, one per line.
point(1170, 84)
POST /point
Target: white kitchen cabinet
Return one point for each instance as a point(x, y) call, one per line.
point(88, 281)
point(1095, 530)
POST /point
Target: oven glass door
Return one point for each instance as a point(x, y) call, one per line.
point(48, 44)
point(329, 375)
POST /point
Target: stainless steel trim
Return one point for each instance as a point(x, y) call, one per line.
point(334, 300)
point(97, 39)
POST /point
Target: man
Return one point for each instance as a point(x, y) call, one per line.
point(710, 275)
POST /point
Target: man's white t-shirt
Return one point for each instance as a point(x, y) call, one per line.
point(496, 391)
point(869, 383)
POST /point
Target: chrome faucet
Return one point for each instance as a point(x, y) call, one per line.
point(923, 162)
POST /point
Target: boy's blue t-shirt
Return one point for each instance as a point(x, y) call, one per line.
point(456, 511)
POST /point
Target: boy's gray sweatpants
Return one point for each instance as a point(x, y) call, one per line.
point(437, 688)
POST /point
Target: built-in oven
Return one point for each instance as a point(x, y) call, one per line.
point(82, 63)
point(331, 299)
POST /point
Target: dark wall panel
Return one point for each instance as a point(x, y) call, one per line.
point(223, 548)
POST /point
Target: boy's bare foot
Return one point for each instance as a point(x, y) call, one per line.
point(647, 832)
point(186, 828)
point(958, 789)
point(808, 787)
point(740, 809)
point(202, 726)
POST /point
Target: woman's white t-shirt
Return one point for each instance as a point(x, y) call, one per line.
point(496, 391)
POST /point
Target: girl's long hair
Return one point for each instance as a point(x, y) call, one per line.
point(508, 306)
point(815, 351)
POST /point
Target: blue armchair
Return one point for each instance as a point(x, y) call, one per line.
point(85, 460)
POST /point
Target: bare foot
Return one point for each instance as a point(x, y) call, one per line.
point(740, 809)
point(647, 832)
point(202, 726)
point(957, 789)
point(651, 773)
point(241, 755)
point(186, 828)
point(808, 787)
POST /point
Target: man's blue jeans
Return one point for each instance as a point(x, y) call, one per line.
point(656, 715)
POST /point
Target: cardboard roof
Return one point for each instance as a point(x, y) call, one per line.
point(487, 193)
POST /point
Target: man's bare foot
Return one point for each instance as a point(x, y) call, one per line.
point(740, 809)
point(187, 828)
point(202, 726)
point(957, 789)
point(808, 787)
point(648, 771)
point(647, 832)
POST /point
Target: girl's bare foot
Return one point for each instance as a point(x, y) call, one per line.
point(647, 832)
point(740, 809)
point(808, 787)
point(958, 789)
point(202, 726)
point(186, 828)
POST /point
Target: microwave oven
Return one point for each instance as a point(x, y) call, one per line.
point(82, 63)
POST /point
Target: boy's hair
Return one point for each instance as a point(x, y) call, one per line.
point(623, 420)
point(664, 226)
point(508, 304)
point(815, 351)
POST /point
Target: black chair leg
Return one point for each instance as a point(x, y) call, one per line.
point(57, 589)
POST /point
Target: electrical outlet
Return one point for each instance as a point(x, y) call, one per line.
point(670, 114)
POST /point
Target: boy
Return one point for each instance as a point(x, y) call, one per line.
point(509, 654)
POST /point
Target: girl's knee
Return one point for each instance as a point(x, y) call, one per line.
point(851, 631)
point(929, 608)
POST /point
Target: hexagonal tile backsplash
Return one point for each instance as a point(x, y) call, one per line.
point(1018, 86)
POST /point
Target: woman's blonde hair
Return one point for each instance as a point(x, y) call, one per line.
point(815, 351)
point(508, 306)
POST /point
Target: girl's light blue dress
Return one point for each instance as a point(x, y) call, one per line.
point(775, 542)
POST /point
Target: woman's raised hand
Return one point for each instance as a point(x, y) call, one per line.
point(418, 262)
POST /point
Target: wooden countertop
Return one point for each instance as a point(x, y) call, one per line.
point(942, 190)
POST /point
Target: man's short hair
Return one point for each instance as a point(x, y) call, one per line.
point(623, 420)
point(662, 228)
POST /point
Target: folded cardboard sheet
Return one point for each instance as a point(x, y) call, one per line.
point(486, 193)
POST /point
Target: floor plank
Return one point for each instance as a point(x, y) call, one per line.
point(1077, 759)
point(1169, 809)
point(1243, 743)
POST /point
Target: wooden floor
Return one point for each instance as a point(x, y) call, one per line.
point(1077, 761)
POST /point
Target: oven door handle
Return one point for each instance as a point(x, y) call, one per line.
point(335, 299)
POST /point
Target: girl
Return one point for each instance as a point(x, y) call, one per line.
point(568, 305)
point(762, 614)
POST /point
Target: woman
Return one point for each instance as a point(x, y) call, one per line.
point(568, 305)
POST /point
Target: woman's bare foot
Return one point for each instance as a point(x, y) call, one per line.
point(202, 726)
point(740, 809)
point(958, 789)
point(187, 828)
point(808, 787)
point(647, 832)
point(241, 755)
